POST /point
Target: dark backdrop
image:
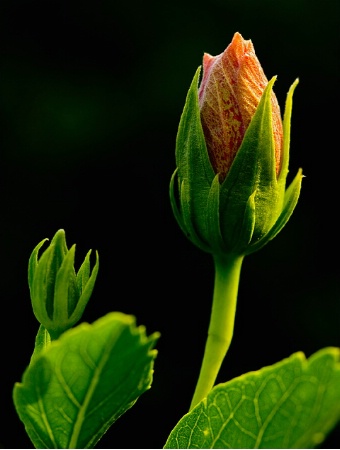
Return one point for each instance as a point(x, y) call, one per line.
point(91, 94)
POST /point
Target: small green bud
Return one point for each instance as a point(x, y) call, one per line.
point(59, 295)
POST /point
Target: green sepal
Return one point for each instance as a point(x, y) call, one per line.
point(253, 170)
point(84, 271)
point(183, 219)
point(213, 217)
point(33, 262)
point(195, 173)
point(248, 224)
point(65, 292)
point(42, 341)
point(43, 274)
point(291, 195)
point(41, 294)
point(188, 218)
point(173, 201)
point(291, 198)
point(86, 291)
point(191, 151)
point(286, 134)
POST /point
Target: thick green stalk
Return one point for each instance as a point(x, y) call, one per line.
point(221, 327)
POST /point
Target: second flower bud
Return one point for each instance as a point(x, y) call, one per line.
point(59, 295)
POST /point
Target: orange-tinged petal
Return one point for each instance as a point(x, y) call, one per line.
point(231, 88)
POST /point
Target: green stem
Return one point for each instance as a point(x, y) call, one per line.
point(221, 327)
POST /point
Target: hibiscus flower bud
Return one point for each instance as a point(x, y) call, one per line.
point(228, 192)
point(59, 294)
point(230, 92)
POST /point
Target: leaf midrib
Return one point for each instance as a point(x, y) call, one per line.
point(93, 384)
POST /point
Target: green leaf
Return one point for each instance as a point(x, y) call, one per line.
point(291, 404)
point(74, 390)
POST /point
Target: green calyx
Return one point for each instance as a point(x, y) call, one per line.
point(252, 204)
point(59, 295)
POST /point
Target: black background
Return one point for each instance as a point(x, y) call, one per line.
point(91, 94)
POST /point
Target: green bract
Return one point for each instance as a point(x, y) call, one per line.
point(59, 294)
point(252, 204)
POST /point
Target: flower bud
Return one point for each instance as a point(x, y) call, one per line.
point(59, 295)
point(232, 155)
point(230, 92)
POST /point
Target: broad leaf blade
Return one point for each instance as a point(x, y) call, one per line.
point(75, 389)
point(292, 404)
